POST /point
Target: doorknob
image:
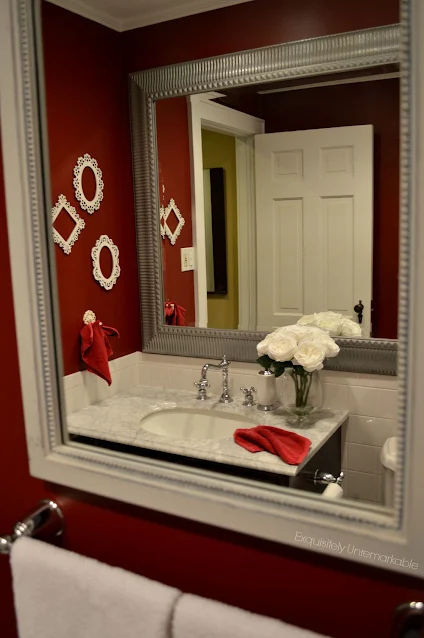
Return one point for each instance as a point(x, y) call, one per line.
point(359, 309)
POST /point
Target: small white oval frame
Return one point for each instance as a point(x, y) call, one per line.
point(105, 242)
point(93, 204)
point(66, 244)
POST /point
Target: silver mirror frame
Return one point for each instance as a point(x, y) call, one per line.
point(331, 54)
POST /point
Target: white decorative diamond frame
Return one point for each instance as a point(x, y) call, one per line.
point(90, 205)
point(66, 244)
point(164, 228)
point(241, 505)
point(105, 242)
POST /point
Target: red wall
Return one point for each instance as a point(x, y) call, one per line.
point(375, 103)
point(87, 112)
point(321, 593)
point(174, 181)
point(250, 25)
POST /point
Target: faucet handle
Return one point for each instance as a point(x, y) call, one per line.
point(203, 383)
point(201, 386)
point(248, 396)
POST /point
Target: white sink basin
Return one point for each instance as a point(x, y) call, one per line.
point(194, 424)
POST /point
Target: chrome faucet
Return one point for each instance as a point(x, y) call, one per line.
point(203, 384)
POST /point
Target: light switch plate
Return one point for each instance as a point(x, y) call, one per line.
point(187, 259)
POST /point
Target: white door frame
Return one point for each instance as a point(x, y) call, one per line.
point(204, 113)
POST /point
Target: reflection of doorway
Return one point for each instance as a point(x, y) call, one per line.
point(314, 206)
point(207, 115)
point(219, 159)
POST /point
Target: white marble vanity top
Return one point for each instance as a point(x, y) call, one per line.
point(119, 419)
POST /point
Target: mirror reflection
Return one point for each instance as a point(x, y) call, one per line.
point(277, 203)
point(308, 203)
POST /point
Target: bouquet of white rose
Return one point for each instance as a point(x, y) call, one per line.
point(299, 351)
point(332, 322)
point(296, 346)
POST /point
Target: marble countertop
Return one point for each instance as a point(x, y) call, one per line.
point(120, 419)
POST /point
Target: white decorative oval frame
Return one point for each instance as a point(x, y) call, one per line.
point(66, 244)
point(164, 228)
point(105, 242)
point(93, 204)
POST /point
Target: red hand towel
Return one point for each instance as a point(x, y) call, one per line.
point(289, 446)
point(96, 349)
point(174, 314)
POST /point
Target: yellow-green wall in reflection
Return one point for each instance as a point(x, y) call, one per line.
point(219, 151)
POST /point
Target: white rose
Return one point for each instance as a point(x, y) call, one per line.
point(331, 322)
point(300, 333)
point(282, 347)
point(350, 329)
point(331, 347)
point(329, 313)
point(306, 320)
point(279, 331)
point(321, 337)
point(310, 355)
point(262, 347)
point(309, 333)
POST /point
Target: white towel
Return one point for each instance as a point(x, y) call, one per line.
point(59, 594)
point(196, 617)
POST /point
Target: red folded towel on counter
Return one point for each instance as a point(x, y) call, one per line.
point(96, 349)
point(289, 446)
point(174, 314)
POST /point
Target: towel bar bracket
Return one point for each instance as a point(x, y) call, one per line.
point(46, 519)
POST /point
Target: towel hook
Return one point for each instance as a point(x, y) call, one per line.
point(47, 517)
point(89, 317)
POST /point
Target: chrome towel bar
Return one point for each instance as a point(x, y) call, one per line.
point(46, 519)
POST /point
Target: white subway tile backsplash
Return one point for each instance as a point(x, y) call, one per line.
point(126, 361)
point(183, 378)
point(373, 402)
point(85, 388)
point(76, 399)
point(72, 380)
point(360, 379)
point(125, 379)
point(143, 375)
point(362, 486)
point(170, 361)
point(370, 430)
point(363, 458)
point(159, 376)
point(335, 396)
point(241, 381)
point(96, 388)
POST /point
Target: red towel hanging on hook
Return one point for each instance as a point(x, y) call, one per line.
point(96, 349)
point(174, 314)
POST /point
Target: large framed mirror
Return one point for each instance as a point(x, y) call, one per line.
point(310, 226)
point(273, 188)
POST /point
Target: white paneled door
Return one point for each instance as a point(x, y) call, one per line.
point(314, 207)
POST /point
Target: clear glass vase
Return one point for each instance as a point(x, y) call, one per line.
point(301, 394)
